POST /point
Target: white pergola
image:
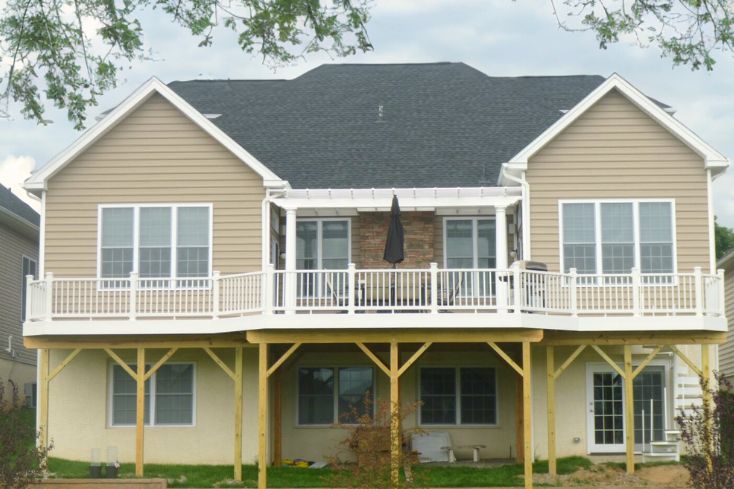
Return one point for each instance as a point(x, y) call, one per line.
point(441, 200)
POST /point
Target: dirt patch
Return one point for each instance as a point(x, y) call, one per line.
point(612, 477)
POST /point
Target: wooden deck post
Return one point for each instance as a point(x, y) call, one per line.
point(629, 409)
point(277, 421)
point(527, 415)
point(707, 402)
point(140, 413)
point(262, 417)
point(551, 399)
point(238, 414)
point(43, 365)
point(394, 415)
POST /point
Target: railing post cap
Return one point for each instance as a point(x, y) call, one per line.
point(216, 273)
point(49, 274)
point(697, 269)
point(351, 266)
point(433, 264)
point(133, 274)
point(573, 271)
point(720, 271)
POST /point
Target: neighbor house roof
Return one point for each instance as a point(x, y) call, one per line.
point(10, 203)
point(382, 126)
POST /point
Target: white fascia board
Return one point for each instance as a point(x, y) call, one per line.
point(712, 158)
point(38, 180)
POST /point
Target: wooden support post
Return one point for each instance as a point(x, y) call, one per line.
point(707, 403)
point(550, 377)
point(629, 411)
point(394, 415)
point(238, 368)
point(43, 396)
point(262, 417)
point(527, 415)
point(277, 421)
point(140, 413)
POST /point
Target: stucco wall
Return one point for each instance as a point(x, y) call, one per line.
point(79, 407)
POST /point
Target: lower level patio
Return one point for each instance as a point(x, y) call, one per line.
point(267, 396)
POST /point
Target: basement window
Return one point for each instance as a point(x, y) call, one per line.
point(458, 396)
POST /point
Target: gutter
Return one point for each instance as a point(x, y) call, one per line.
point(525, 188)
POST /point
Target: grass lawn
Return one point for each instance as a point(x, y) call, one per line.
point(290, 477)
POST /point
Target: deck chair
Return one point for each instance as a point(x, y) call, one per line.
point(447, 293)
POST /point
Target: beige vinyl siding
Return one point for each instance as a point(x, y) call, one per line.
point(726, 351)
point(155, 155)
point(614, 150)
point(13, 246)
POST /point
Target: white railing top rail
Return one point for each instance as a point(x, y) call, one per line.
point(424, 290)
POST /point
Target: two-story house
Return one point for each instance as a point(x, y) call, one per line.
point(18, 259)
point(213, 285)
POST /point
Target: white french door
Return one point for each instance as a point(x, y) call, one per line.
point(605, 409)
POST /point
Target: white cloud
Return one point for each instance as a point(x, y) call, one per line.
point(13, 172)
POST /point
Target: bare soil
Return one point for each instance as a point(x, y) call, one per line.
point(609, 477)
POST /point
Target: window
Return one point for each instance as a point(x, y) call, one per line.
point(328, 395)
point(169, 396)
point(158, 242)
point(470, 243)
point(466, 395)
point(613, 237)
point(116, 254)
point(322, 244)
point(28, 267)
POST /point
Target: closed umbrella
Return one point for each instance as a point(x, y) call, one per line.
point(394, 245)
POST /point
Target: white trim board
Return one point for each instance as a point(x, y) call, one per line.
point(713, 159)
point(38, 181)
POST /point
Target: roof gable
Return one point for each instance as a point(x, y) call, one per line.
point(38, 180)
point(712, 159)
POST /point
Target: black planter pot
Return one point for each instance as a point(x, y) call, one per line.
point(95, 471)
point(111, 472)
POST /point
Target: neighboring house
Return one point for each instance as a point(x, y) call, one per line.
point(206, 232)
point(19, 225)
point(726, 352)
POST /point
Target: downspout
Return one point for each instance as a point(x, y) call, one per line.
point(525, 196)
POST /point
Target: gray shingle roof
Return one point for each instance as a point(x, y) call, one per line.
point(11, 203)
point(442, 124)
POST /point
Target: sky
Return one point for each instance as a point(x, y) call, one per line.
point(498, 37)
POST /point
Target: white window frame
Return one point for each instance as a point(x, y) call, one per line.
point(151, 415)
point(320, 235)
point(475, 237)
point(23, 289)
point(335, 369)
point(636, 233)
point(457, 393)
point(136, 239)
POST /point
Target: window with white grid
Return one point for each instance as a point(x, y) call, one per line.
point(116, 260)
point(612, 237)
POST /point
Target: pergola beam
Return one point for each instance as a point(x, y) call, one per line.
point(688, 361)
point(282, 359)
point(413, 358)
point(160, 363)
point(221, 363)
point(649, 358)
point(63, 364)
point(568, 361)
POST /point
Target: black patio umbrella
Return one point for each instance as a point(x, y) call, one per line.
point(394, 245)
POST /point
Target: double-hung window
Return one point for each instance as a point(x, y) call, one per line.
point(169, 396)
point(28, 267)
point(328, 395)
point(470, 244)
point(612, 237)
point(463, 396)
point(159, 242)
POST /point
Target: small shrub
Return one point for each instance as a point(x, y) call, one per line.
point(22, 461)
point(708, 436)
point(363, 461)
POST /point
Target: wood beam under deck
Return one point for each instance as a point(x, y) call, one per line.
point(98, 342)
point(457, 335)
point(643, 338)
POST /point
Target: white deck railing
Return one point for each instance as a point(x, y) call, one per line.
point(432, 290)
